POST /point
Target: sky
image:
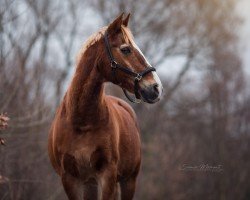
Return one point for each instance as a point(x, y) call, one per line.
point(244, 33)
point(243, 9)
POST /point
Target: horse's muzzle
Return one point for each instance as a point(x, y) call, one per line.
point(151, 93)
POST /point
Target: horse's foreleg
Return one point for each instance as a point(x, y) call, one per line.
point(128, 189)
point(72, 187)
point(108, 182)
point(117, 192)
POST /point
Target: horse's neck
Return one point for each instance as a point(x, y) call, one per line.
point(85, 97)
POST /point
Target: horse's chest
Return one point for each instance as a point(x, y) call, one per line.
point(86, 163)
point(89, 155)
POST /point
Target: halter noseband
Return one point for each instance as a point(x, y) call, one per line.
point(137, 76)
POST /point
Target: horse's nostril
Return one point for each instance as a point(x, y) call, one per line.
point(156, 88)
point(151, 93)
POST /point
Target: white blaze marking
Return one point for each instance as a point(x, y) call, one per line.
point(155, 76)
point(158, 81)
point(138, 49)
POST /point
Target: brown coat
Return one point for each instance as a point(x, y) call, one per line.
point(94, 139)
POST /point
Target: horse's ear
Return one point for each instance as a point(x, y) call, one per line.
point(126, 20)
point(115, 26)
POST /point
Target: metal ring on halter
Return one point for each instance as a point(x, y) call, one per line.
point(114, 64)
point(138, 77)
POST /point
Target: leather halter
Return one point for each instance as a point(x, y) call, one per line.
point(137, 76)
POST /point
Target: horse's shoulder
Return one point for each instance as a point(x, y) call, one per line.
point(121, 103)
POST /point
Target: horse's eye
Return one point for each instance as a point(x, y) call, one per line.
point(126, 50)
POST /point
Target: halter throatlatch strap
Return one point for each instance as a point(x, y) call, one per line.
point(137, 76)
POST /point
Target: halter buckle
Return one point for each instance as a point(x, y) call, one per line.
point(138, 77)
point(113, 64)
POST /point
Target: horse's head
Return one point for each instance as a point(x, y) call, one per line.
point(126, 65)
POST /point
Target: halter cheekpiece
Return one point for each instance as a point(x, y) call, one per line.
point(137, 76)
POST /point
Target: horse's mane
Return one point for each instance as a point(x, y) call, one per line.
point(99, 34)
point(91, 41)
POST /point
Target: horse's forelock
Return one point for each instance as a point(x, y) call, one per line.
point(127, 34)
point(98, 35)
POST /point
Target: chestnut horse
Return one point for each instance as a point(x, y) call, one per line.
point(94, 142)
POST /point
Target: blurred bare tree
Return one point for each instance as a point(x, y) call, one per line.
point(203, 118)
point(37, 40)
point(175, 29)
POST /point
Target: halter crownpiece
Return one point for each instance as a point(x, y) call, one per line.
point(137, 76)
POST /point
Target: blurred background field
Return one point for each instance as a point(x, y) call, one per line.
point(201, 50)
